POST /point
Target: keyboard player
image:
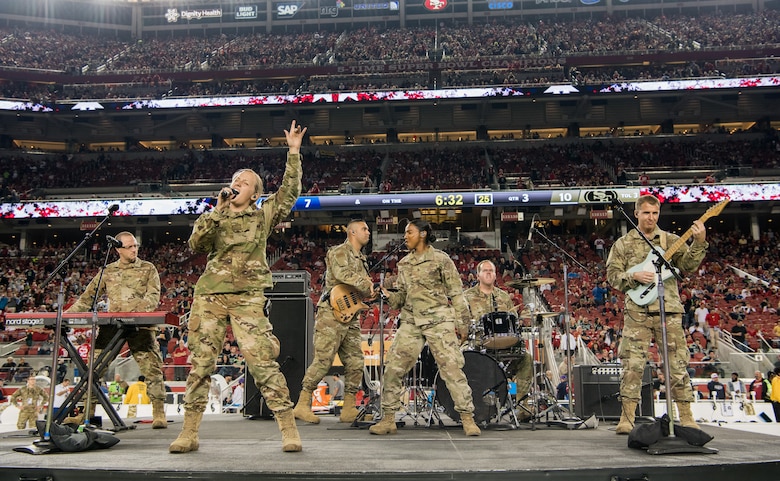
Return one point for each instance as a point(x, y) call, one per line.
point(130, 285)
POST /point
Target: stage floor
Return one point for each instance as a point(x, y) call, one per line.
point(234, 447)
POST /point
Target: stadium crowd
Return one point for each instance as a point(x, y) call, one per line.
point(26, 177)
point(148, 60)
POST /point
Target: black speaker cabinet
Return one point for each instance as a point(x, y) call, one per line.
point(293, 321)
point(597, 391)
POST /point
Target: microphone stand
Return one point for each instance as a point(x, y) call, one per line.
point(376, 395)
point(45, 444)
point(566, 316)
point(670, 444)
point(92, 340)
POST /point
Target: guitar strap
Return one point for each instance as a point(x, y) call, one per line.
point(663, 240)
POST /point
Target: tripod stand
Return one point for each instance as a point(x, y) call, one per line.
point(420, 394)
point(373, 405)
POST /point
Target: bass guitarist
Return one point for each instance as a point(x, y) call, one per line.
point(337, 329)
point(641, 323)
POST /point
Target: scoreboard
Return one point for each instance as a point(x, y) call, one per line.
point(460, 199)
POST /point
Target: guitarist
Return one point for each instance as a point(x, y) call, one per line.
point(641, 324)
point(346, 266)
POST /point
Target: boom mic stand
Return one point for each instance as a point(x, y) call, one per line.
point(670, 444)
point(566, 318)
point(375, 396)
point(45, 445)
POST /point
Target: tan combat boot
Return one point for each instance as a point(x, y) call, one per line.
point(158, 415)
point(386, 425)
point(302, 410)
point(291, 440)
point(348, 411)
point(627, 417)
point(686, 415)
point(469, 426)
point(188, 437)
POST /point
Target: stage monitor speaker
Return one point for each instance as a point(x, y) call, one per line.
point(597, 391)
point(293, 321)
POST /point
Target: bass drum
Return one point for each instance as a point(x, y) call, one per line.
point(488, 387)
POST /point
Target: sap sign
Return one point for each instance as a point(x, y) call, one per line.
point(288, 10)
point(501, 5)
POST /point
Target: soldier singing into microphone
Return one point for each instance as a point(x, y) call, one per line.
point(232, 291)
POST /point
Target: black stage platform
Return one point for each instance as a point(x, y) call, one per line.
point(233, 447)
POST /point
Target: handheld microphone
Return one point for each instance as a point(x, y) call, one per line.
point(113, 241)
point(225, 194)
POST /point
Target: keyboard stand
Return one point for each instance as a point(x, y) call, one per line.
point(101, 366)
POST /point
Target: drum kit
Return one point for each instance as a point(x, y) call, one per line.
point(497, 343)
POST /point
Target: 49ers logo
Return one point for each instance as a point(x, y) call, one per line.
point(435, 4)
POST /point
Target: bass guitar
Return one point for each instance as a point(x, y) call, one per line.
point(644, 294)
point(346, 303)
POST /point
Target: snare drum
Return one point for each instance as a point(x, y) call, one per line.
point(499, 330)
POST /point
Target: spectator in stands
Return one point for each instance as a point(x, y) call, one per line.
point(162, 340)
point(23, 370)
point(8, 368)
point(735, 385)
point(776, 334)
point(130, 285)
point(62, 369)
point(642, 323)
point(716, 388)
point(759, 387)
point(739, 333)
point(180, 360)
point(231, 292)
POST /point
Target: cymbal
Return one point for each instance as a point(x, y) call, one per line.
point(530, 282)
point(525, 314)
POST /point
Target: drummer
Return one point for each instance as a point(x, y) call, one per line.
point(484, 298)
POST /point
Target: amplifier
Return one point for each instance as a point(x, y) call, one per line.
point(290, 283)
point(597, 391)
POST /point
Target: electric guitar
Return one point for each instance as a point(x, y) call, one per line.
point(646, 293)
point(346, 303)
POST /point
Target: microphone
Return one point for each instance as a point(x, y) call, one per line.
point(616, 202)
point(113, 241)
point(529, 242)
point(224, 194)
point(113, 208)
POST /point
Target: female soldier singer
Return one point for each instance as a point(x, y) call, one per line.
point(430, 297)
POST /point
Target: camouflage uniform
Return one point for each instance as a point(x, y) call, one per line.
point(231, 289)
point(641, 324)
point(131, 287)
point(344, 266)
point(430, 294)
point(521, 365)
point(31, 398)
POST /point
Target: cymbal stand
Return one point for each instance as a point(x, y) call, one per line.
point(418, 399)
point(566, 311)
